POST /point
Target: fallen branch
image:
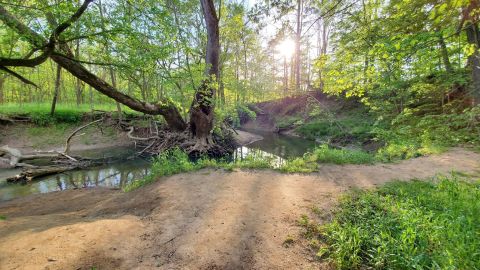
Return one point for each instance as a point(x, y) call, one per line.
point(67, 142)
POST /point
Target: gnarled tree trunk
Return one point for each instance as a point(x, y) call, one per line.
point(201, 111)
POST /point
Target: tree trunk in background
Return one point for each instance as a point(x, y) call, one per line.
point(2, 81)
point(285, 76)
point(444, 54)
point(114, 84)
point(298, 36)
point(57, 89)
point(78, 84)
point(201, 111)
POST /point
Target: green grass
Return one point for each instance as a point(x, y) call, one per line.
point(325, 154)
point(40, 112)
point(404, 225)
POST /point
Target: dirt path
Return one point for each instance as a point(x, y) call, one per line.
point(204, 220)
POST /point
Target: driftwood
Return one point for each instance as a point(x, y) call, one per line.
point(16, 157)
point(31, 173)
point(67, 142)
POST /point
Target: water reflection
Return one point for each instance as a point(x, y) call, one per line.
point(243, 153)
point(281, 145)
point(115, 175)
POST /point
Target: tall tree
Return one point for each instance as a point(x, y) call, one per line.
point(201, 111)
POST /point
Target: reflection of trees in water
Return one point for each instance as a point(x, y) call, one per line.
point(113, 175)
point(282, 145)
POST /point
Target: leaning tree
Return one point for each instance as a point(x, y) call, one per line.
point(55, 48)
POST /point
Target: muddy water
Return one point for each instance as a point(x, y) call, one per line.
point(123, 170)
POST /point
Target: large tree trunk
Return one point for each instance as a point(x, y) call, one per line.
point(471, 17)
point(473, 36)
point(201, 111)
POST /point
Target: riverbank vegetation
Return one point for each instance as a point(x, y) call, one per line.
point(403, 225)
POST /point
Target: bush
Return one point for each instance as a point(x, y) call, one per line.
point(405, 225)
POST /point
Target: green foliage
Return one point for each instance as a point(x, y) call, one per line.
point(355, 127)
point(411, 135)
point(3, 217)
point(325, 154)
point(404, 225)
point(289, 121)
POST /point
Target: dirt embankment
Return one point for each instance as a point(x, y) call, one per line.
point(29, 138)
point(203, 220)
point(270, 113)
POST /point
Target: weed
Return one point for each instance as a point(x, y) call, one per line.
point(289, 241)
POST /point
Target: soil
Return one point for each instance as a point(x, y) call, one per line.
point(17, 136)
point(269, 113)
point(210, 219)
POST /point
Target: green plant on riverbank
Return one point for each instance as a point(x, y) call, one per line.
point(403, 225)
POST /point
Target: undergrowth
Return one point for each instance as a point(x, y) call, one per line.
point(403, 225)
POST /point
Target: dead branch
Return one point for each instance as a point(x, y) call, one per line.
point(67, 142)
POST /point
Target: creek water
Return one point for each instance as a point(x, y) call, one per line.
point(122, 169)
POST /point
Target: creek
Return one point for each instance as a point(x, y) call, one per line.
point(124, 169)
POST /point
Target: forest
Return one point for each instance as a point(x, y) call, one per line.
point(239, 134)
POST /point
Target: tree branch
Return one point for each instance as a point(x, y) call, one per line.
point(18, 76)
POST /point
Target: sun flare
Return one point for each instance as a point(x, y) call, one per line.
point(286, 47)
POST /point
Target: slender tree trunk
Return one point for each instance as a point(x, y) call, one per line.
point(57, 89)
point(298, 36)
point(78, 84)
point(114, 84)
point(285, 76)
point(2, 82)
point(444, 54)
point(201, 111)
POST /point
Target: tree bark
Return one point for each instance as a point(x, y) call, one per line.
point(473, 35)
point(56, 90)
point(201, 111)
point(470, 18)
